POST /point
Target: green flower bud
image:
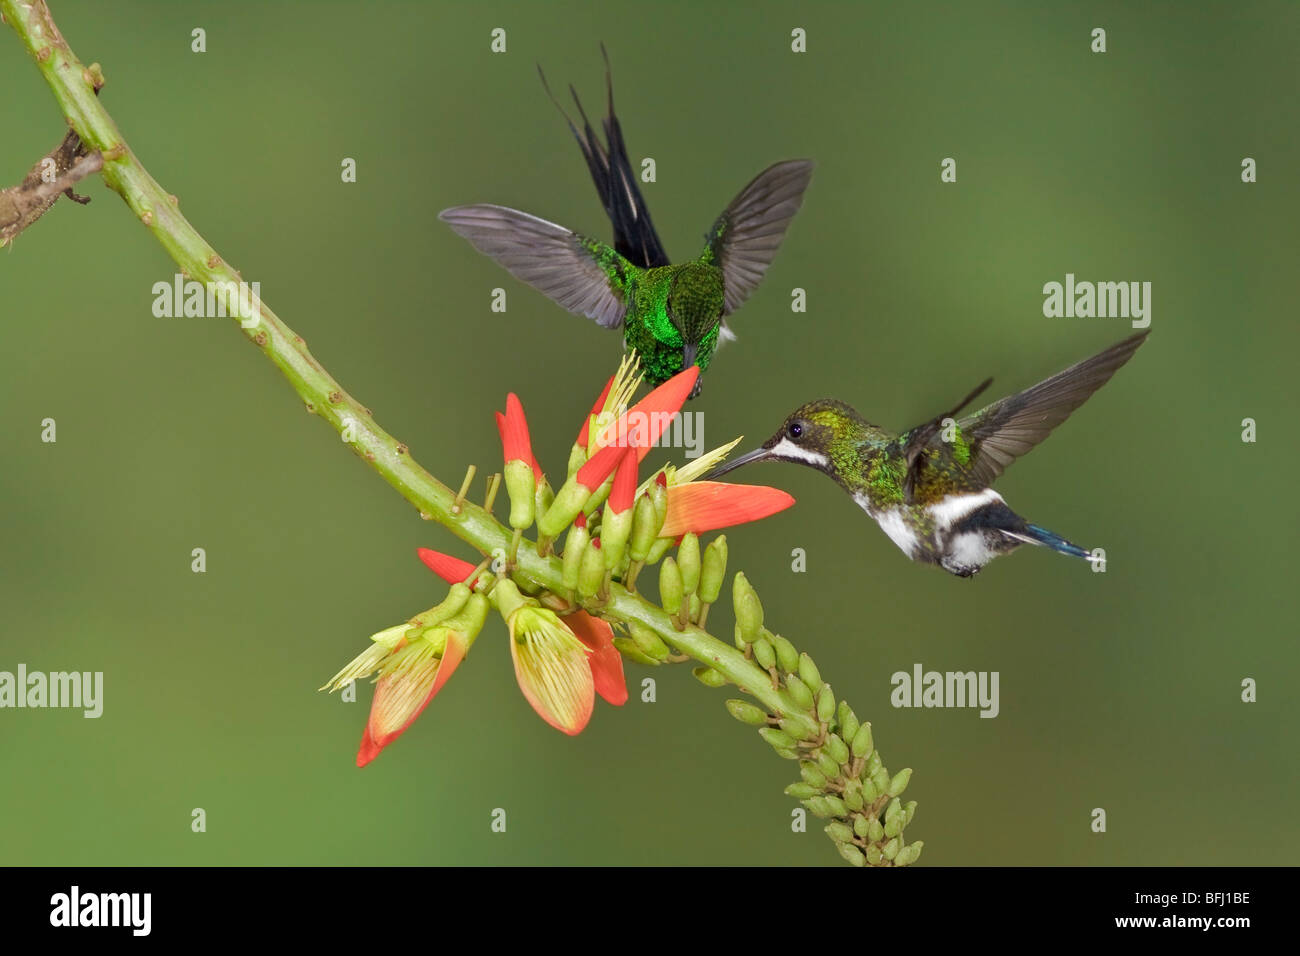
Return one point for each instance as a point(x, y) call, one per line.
point(777, 738)
point(893, 826)
point(764, 654)
point(694, 603)
point(894, 809)
point(800, 791)
point(908, 812)
point(861, 746)
point(709, 677)
point(569, 501)
point(836, 805)
point(914, 851)
point(801, 728)
point(522, 488)
point(627, 647)
point(839, 832)
point(818, 807)
point(837, 748)
point(648, 642)
point(799, 692)
point(614, 531)
point(848, 721)
point(599, 496)
point(591, 571)
point(874, 856)
point(869, 792)
point(577, 458)
point(874, 766)
point(861, 826)
point(825, 704)
point(543, 498)
point(785, 753)
point(899, 783)
point(880, 779)
point(670, 586)
point(828, 766)
point(659, 498)
point(853, 798)
point(658, 550)
point(713, 569)
point(574, 545)
point(891, 848)
point(645, 528)
point(786, 655)
point(851, 853)
point(749, 610)
point(688, 560)
point(875, 830)
point(812, 776)
point(747, 713)
point(808, 672)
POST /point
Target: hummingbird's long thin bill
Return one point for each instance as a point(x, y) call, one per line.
point(758, 454)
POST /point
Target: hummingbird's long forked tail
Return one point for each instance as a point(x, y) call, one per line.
point(635, 237)
point(1037, 535)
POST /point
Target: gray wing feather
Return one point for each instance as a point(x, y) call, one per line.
point(745, 238)
point(1007, 429)
point(555, 261)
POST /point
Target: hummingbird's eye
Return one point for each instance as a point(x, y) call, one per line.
point(796, 430)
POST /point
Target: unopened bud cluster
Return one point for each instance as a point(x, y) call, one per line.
point(842, 777)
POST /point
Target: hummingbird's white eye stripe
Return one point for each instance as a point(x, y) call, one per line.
point(953, 508)
point(789, 451)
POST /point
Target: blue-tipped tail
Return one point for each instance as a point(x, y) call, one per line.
point(1056, 542)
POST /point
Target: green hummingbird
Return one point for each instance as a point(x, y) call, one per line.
point(673, 315)
point(928, 488)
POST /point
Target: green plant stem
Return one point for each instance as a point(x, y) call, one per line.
point(74, 89)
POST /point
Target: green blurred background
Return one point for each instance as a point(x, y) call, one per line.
point(1118, 690)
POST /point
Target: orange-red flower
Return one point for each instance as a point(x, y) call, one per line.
point(402, 695)
point(560, 663)
point(702, 506)
point(516, 444)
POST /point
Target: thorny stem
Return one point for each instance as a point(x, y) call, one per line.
point(74, 88)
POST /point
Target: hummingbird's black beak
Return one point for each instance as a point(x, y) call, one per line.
point(758, 454)
point(688, 359)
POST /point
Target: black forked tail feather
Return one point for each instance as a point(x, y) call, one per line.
point(634, 234)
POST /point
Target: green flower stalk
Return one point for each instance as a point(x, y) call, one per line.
point(562, 643)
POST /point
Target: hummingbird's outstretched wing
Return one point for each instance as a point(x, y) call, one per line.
point(579, 274)
point(634, 234)
point(918, 439)
point(995, 436)
point(744, 239)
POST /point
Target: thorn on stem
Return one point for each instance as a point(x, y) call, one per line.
point(464, 487)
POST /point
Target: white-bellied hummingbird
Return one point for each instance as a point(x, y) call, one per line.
point(928, 488)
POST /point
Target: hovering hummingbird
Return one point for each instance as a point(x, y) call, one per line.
point(673, 315)
point(928, 488)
